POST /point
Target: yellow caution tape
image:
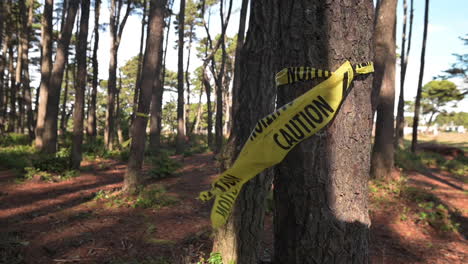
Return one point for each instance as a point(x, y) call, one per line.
point(276, 134)
point(142, 115)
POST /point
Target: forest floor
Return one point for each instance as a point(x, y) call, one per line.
point(417, 217)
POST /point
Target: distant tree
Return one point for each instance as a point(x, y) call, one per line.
point(384, 87)
point(437, 94)
point(417, 109)
point(458, 119)
point(117, 25)
point(460, 67)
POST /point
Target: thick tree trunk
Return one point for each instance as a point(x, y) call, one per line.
point(46, 68)
point(151, 69)
point(78, 113)
point(52, 108)
point(384, 82)
point(400, 119)
point(92, 127)
point(180, 141)
point(239, 240)
point(321, 198)
point(417, 105)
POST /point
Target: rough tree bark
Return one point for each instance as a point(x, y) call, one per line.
point(92, 127)
point(78, 113)
point(46, 68)
point(56, 77)
point(180, 140)
point(400, 119)
point(321, 197)
point(384, 86)
point(116, 30)
point(151, 69)
point(417, 105)
point(239, 240)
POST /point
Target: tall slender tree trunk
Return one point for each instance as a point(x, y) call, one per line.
point(78, 113)
point(239, 240)
point(116, 30)
point(92, 127)
point(219, 95)
point(19, 64)
point(400, 119)
point(417, 105)
point(239, 46)
point(28, 22)
point(321, 197)
point(180, 141)
point(151, 69)
point(118, 113)
point(63, 125)
point(11, 69)
point(196, 123)
point(207, 86)
point(187, 83)
point(156, 108)
point(156, 103)
point(46, 68)
point(384, 85)
point(140, 61)
point(52, 108)
point(2, 67)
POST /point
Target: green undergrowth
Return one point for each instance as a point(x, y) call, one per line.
point(162, 165)
point(14, 139)
point(29, 164)
point(96, 149)
point(418, 205)
point(409, 161)
point(152, 196)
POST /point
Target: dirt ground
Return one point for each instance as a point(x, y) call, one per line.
point(45, 222)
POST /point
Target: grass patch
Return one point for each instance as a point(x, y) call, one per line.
point(154, 196)
point(162, 166)
point(14, 139)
